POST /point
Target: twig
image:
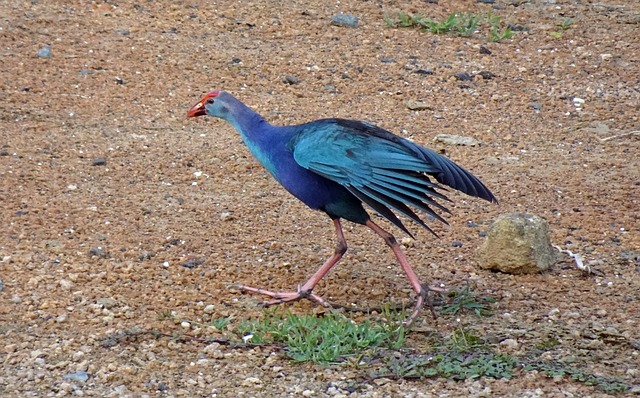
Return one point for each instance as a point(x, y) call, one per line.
point(613, 137)
point(578, 259)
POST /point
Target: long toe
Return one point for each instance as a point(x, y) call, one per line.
point(282, 297)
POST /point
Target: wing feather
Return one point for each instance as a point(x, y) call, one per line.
point(381, 169)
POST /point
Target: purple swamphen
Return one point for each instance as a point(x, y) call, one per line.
point(334, 165)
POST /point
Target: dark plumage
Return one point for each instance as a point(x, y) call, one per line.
point(334, 165)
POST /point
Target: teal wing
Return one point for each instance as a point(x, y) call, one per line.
point(381, 169)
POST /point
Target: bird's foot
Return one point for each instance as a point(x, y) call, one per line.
point(283, 297)
point(423, 298)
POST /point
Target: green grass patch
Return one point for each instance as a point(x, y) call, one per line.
point(562, 27)
point(467, 300)
point(453, 365)
point(610, 385)
point(459, 23)
point(322, 339)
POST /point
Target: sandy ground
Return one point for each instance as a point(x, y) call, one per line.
point(107, 189)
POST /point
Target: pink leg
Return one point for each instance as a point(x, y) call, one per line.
point(305, 291)
point(420, 289)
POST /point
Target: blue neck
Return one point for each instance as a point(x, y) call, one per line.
point(259, 136)
point(245, 120)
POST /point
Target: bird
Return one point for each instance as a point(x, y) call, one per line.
point(337, 166)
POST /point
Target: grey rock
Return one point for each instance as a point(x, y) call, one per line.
point(98, 251)
point(415, 105)
point(44, 52)
point(289, 79)
point(345, 20)
point(107, 302)
point(79, 376)
point(99, 162)
point(422, 71)
point(452, 139)
point(463, 76)
point(517, 243)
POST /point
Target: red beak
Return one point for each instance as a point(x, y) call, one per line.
point(197, 110)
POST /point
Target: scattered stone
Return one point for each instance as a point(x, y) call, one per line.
point(99, 162)
point(451, 139)
point(421, 71)
point(107, 302)
point(510, 345)
point(486, 75)
point(44, 52)
point(517, 243)
point(484, 50)
point(518, 28)
point(345, 20)
point(289, 79)
point(119, 80)
point(536, 106)
point(226, 216)
point(193, 263)
point(456, 243)
point(209, 309)
point(1, 285)
point(145, 255)
point(98, 251)
point(65, 284)
point(463, 76)
point(387, 60)
point(79, 376)
point(416, 105)
point(85, 72)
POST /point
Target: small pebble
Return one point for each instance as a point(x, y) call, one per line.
point(226, 216)
point(106, 302)
point(421, 71)
point(99, 162)
point(79, 376)
point(486, 75)
point(345, 20)
point(509, 344)
point(485, 50)
point(209, 309)
point(463, 76)
point(44, 52)
point(65, 284)
point(456, 243)
point(98, 251)
point(185, 324)
point(193, 263)
point(415, 105)
point(451, 139)
point(289, 79)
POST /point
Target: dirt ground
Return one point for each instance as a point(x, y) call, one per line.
point(108, 190)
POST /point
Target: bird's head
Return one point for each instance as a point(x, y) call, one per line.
point(211, 105)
